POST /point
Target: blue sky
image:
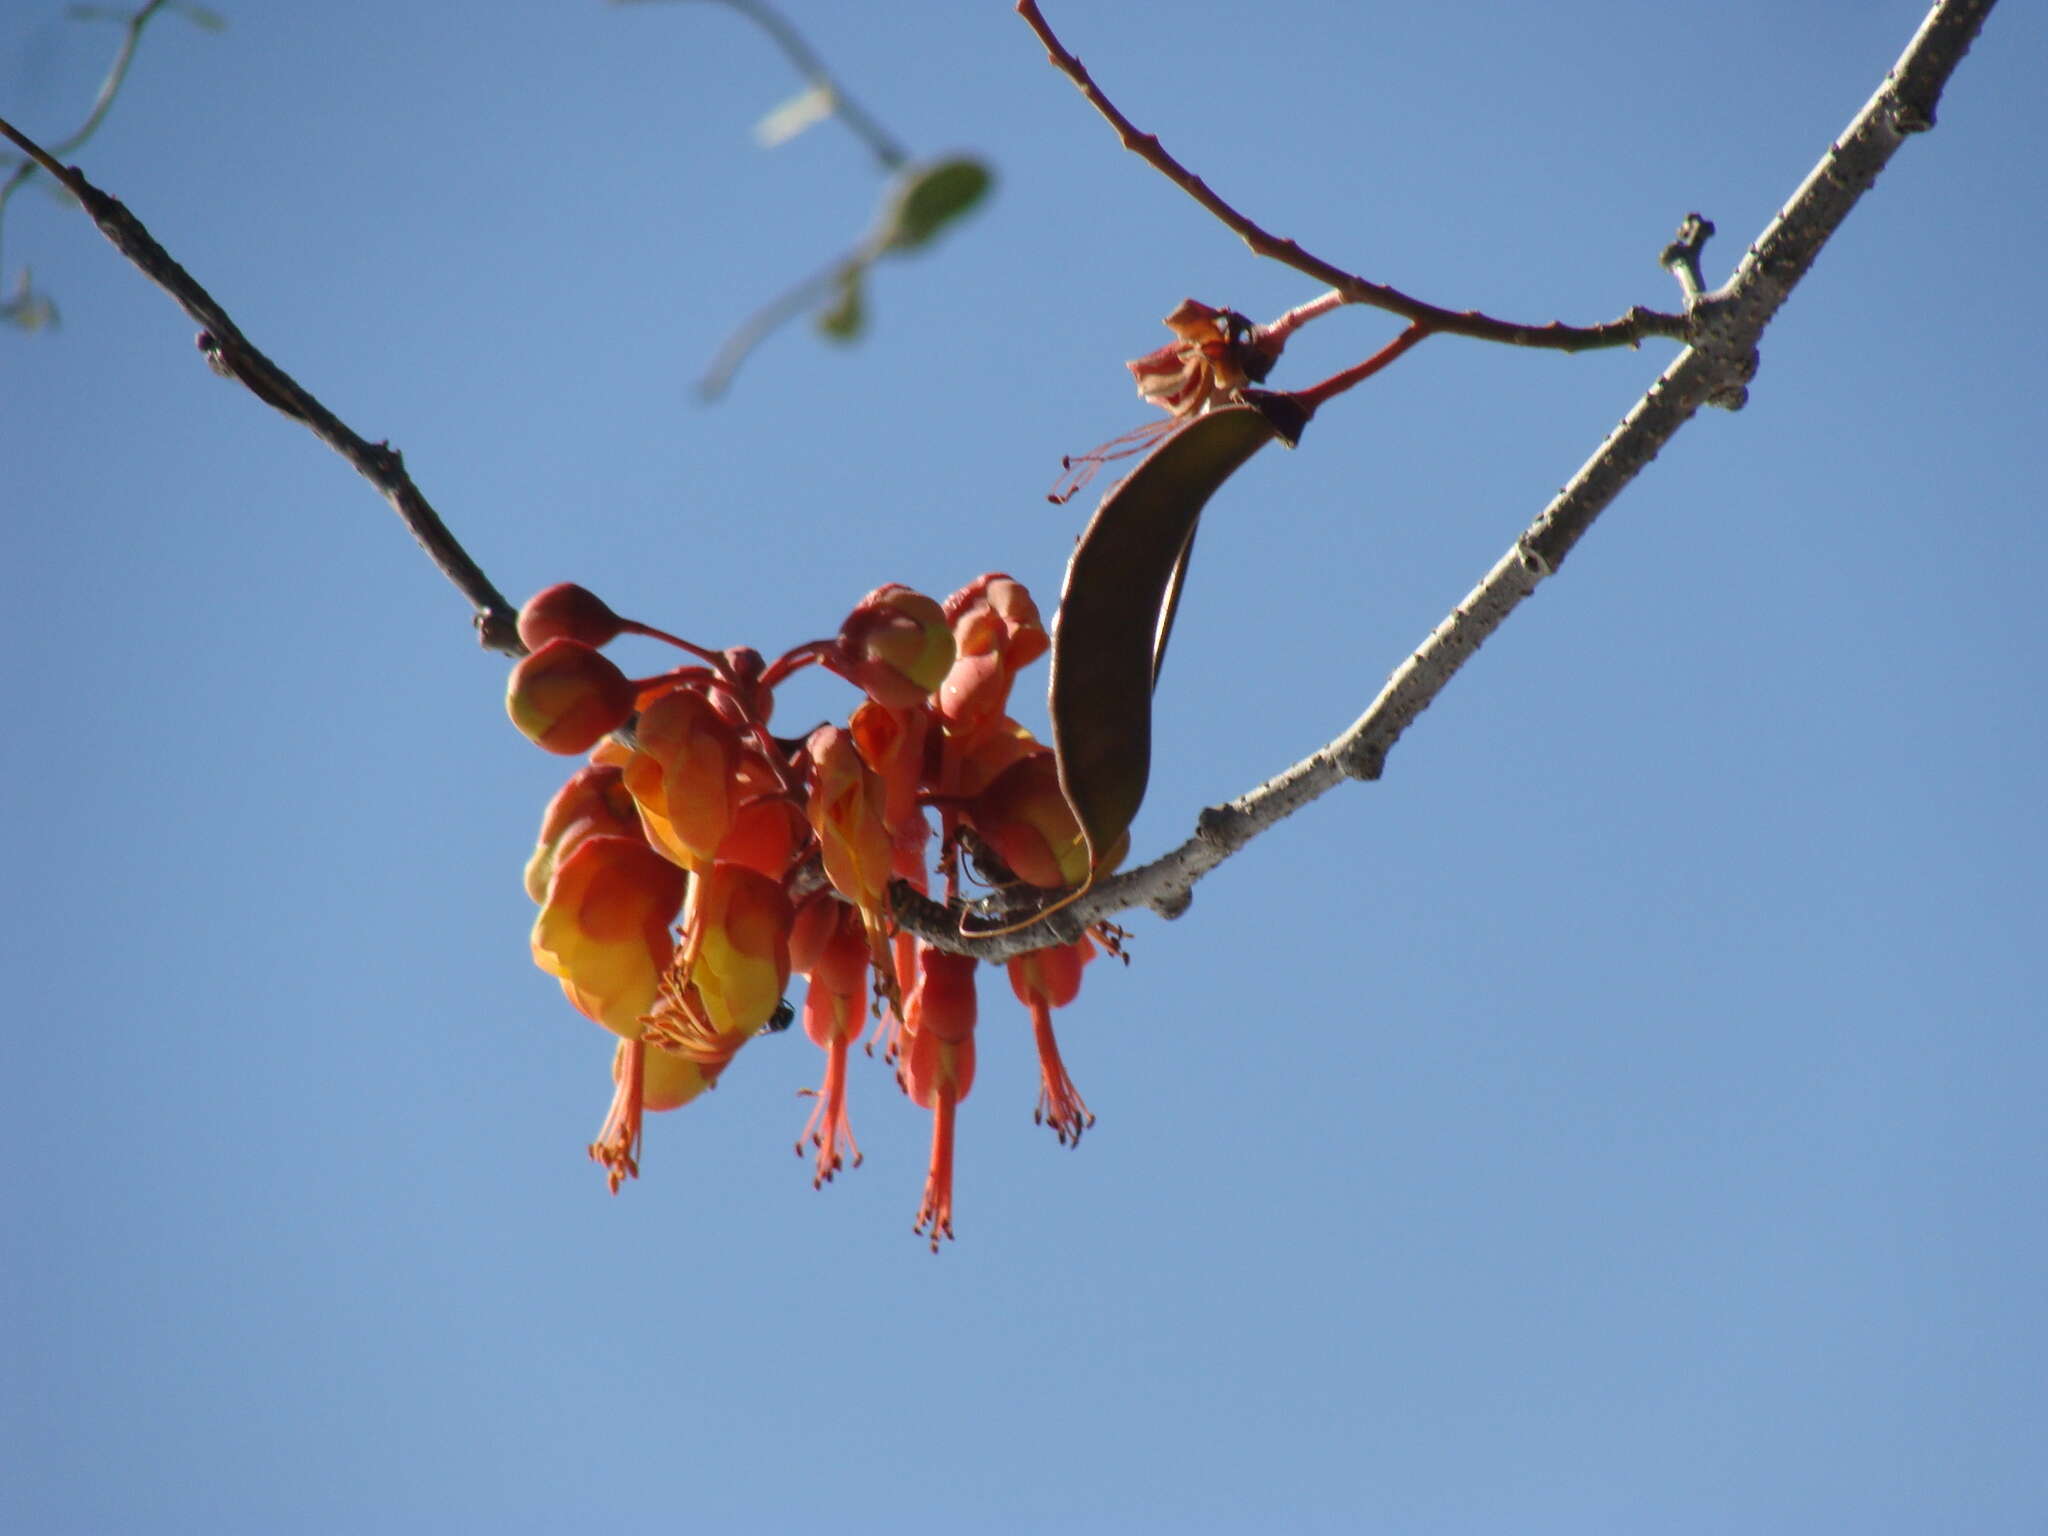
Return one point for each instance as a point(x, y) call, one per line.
point(1626, 1115)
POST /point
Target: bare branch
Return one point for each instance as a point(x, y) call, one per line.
point(1627, 331)
point(771, 317)
point(233, 356)
point(1715, 370)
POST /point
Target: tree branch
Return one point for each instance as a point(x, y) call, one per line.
point(1627, 331)
point(233, 356)
point(1716, 369)
point(1725, 326)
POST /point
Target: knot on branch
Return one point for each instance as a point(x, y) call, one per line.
point(1681, 258)
point(230, 361)
point(1173, 903)
point(1910, 117)
point(1223, 825)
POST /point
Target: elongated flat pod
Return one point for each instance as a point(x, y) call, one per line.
point(1117, 608)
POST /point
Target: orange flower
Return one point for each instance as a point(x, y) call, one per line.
point(604, 929)
point(846, 808)
point(996, 633)
point(1045, 979)
point(727, 983)
point(566, 697)
point(1000, 746)
point(767, 834)
point(643, 1078)
point(892, 743)
point(685, 774)
point(736, 927)
point(1024, 817)
point(829, 946)
point(938, 1069)
point(896, 646)
point(593, 802)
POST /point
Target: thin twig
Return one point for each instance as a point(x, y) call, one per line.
point(1715, 370)
point(1627, 331)
point(771, 317)
point(1317, 395)
point(234, 356)
point(792, 301)
point(804, 59)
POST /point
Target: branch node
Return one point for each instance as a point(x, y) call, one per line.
point(1681, 258)
point(1911, 117)
point(225, 359)
point(1173, 903)
point(1222, 825)
point(1366, 762)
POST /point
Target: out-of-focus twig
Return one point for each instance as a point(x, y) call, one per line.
point(919, 200)
point(804, 59)
point(27, 307)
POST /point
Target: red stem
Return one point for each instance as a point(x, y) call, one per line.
point(1316, 394)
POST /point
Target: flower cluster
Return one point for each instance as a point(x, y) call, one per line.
point(697, 859)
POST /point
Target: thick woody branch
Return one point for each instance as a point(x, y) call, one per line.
point(234, 356)
point(1715, 370)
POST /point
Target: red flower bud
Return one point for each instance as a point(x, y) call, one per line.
point(846, 806)
point(896, 645)
point(566, 611)
point(566, 697)
point(892, 742)
point(685, 775)
point(593, 803)
point(1022, 815)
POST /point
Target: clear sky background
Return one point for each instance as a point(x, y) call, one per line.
point(1627, 1116)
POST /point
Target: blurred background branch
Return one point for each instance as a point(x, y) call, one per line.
point(920, 200)
point(26, 306)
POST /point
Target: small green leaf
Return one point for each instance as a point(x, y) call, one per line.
point(200, 16)
point(847, 315)
point(1116, 610)
point(926, 198)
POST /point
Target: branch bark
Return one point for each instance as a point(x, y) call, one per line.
point(1715, 370)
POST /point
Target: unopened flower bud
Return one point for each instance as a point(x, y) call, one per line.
point(896, 645)
point(566, 697)
point(566, 611)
